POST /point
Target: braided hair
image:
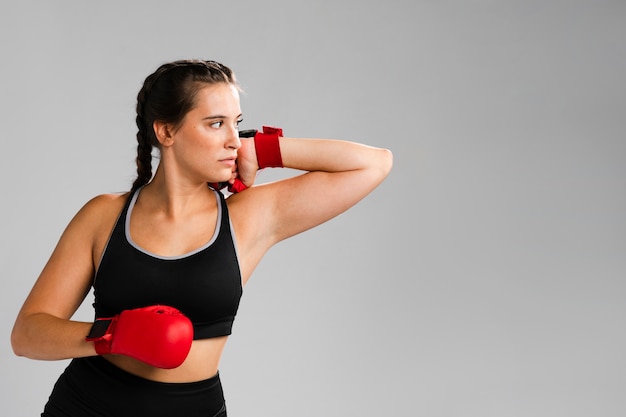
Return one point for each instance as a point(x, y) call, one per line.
point(168, 95)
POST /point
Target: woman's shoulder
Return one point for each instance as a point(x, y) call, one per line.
point(101, 210)
point(104, 203)
point(91, 225)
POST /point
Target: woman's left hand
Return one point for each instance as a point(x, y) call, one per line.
point(246, 165)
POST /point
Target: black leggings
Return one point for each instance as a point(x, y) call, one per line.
point(95, 387)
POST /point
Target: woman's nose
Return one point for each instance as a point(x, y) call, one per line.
point(233, 138)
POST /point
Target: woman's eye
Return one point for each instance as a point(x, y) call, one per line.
point(238, 122)
point(216, 125)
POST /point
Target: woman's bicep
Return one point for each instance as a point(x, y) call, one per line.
point(340, 175)
point(311, 199)
point(65, 279)
point(67, 276)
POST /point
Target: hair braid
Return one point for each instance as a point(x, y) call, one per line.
point(143, 159)
point(144, 143)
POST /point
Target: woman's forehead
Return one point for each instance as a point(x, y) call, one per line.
point(222, 98)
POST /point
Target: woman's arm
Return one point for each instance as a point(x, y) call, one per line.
point(43, 329)
point(340, 173)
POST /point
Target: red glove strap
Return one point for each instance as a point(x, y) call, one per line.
point(268, 147)
point(102, 342)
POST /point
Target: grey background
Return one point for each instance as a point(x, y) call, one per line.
point(485, 277)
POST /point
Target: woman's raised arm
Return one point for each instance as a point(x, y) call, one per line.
point(339, 174)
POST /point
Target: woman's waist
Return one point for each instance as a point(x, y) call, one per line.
point(201, 363)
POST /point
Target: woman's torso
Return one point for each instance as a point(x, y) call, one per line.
point(167, 237)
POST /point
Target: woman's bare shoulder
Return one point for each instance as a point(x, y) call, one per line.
point(101, 210)
point(106, 203)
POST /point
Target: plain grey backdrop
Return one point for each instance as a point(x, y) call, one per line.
point(485, 277)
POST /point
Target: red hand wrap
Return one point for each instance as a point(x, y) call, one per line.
point(237, 186)
point(267, 147)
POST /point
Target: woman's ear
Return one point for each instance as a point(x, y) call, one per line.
point(163, 133)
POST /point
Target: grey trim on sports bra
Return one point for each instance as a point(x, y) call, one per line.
point(234, 238)
point(184, 255)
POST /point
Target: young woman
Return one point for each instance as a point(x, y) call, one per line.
point(168, 260)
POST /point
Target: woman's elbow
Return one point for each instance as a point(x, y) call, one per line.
point(17, 341)
point(21, 342)
point(388, 160)
point(384, 162)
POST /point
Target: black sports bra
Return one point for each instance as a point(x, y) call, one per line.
point(204, 284)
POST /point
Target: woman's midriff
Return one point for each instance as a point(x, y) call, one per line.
point(201, 363)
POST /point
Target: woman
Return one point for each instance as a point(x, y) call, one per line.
point(168, 260)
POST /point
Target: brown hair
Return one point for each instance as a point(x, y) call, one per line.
point(168, 95)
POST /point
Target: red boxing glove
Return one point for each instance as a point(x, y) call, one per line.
point(268, 147)
point(158, 335)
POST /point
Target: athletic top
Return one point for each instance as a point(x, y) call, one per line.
point(205, 284)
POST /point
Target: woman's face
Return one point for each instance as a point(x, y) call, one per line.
point(206, 142)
